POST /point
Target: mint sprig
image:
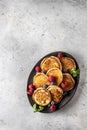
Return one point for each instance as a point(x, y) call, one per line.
point(41, 108)
point(75, 72)
point(38, 108)
point(34, 106)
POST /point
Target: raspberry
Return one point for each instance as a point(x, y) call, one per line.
point(37, 68)
point(60, 55)
point(53, 107)
point(63, 84)
point(31, 86)
point(51, 78)
point(30, 92)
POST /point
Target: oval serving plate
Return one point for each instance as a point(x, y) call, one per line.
point(67, 95)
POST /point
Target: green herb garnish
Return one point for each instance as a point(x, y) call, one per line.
point(34, 106)
point(41, 108)
point(37, 108)
point(75, 72)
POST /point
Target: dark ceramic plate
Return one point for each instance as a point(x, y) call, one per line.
point(67, 95)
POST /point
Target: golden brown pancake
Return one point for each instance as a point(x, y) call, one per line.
point(42, 96)
point(56, 93)
point(58, 60)
point(50, 62)
point(70, 81)
point(68, 63)
point(55, 72)
point(40, 79)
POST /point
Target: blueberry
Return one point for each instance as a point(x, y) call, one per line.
point(49, 105)
point(53, 83)
point(65, 70)
point(52, 102)
point(45, 86)
point(43, 71)
point(65, 94)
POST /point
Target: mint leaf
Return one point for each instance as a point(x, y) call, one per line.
point(78, 71)
point(35, 106)
point(75, 72)
point(75, 75)
point(37, 109)
point(41, 108)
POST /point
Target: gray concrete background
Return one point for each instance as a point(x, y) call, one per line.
point(30, 29)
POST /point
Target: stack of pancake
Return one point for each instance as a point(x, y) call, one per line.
point(53, 66)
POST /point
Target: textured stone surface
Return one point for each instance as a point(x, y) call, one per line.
point(30, 29)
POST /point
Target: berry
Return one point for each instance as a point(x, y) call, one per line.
point(63, 84)
point(65, 94)
point(49, 105)
point(60, 55)
point(53, 83)
point(53, 107)
point(45, 86)
point(31, 86)
point(32, 89)
point(52, 102)
point(43, 71)
point(30, 92)
point(65, 70)
point(38, 69)
point(51, 78)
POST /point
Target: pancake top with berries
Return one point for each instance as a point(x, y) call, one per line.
point(40, 79)
point(50, 62)
point(42, 96)
point(56, 93)
point(69, 80)
point(56, 73)
point(68, 63)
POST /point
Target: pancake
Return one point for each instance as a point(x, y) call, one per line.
point(70, 81)
point(58, 60)
point(57, 74)
point(41, 97)
point(50, 62)
point(56, 93)
point(68, 63)
point(40, 79)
